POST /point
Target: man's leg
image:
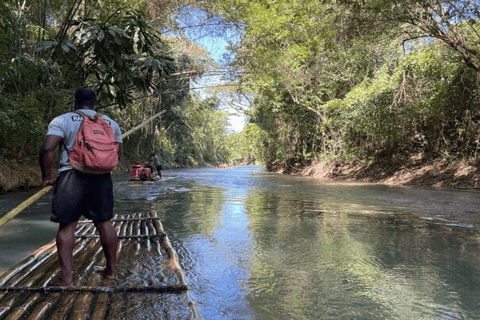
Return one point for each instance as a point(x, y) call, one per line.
point(108, 239)
point(159, 172)
point(65, 240)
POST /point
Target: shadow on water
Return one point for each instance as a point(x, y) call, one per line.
point(256, 245)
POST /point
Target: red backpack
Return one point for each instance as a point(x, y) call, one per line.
point(95, 149)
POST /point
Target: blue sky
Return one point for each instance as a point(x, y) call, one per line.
point(217, 46)
point(214, 37)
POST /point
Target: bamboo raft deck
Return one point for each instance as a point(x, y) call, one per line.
point(150, 283)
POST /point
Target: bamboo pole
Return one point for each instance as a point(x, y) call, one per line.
point(171, 254)
point(41, 266)
point(41, 310)
point(143, 124)
point(25, 204)
point(106, 303)
point(44, 251)
point(82, 304)
point(114, 304)
point(36, 264)
point(52, 272)
point(148, 233)
point(137, 235)
point(80, 299)
point(84, 262)
point(16, 276)
point(157, 244)
point(63, 306)
point(7, 304)
point(122, 232)
point(122, 305)
point(88, 229)
point(85, 227)
point(142, 289)
point(115, 219)
point(18, 312)
point(130, 226)
point(44, 307)
point(61, 311)
point(170, 251)
point(37, 272)
point(134, 236)
point(30, 277)
point(101, 307)
point(13, 213)
point(101, 304)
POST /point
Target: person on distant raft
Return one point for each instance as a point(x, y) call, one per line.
point(146, 174)
point(148, 165)
point(78, 193)
point(136, 171)
point(158, 165)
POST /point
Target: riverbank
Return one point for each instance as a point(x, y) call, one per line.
point(415, 171)
point(15, 176)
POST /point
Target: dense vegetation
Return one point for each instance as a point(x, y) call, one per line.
point(359, 79)
point(131, 53)
point(333, 79)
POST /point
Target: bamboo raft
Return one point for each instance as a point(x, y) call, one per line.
point(150, 283)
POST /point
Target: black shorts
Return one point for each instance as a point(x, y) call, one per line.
point(77, 194)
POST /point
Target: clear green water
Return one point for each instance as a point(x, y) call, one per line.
point(256, 245)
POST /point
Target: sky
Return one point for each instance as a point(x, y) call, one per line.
point(213, 39)
point(217, 46)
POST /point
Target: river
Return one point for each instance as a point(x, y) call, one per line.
point(257, 245)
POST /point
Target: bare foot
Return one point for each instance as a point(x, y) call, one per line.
point(59, 282)
point(173, 263)
point(106, 274)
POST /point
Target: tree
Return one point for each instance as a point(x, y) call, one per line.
point(247, 144)
point(358, 79)
point(455, 23)
point(111, 47)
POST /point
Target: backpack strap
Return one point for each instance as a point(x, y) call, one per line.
point(92, 118)
point(83, 115)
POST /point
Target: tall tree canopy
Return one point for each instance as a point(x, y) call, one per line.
point(359, 79)
point(343, 79)
point(50, 48)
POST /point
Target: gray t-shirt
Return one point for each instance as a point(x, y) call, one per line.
point(67, 125)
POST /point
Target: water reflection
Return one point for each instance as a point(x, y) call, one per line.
point(256, 245)
point(287, 248)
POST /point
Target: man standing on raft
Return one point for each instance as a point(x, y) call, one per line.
point(78, 193)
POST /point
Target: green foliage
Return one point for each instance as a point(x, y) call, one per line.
point(359, 79)
point(113, 48)
point(208, 128)
point(31, 89)
point(22, 126)
point(247, 144)
point(14, 31)
point(454, 23)
point(409, 108)
point(196, 137)
point(333, 79)
point(116, 60)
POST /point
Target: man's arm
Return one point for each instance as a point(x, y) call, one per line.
point(47, 158)
point(120, 150)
